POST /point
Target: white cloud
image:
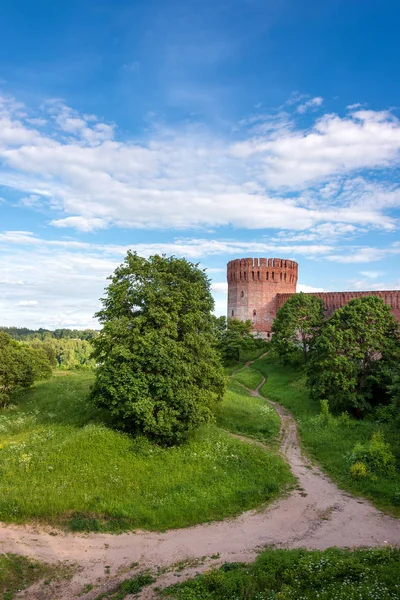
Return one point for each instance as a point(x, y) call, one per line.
point(190, 178)
point(67, 277)
point(310, 104)
point(334, 145)
point(220, 286)
point(371, 274)
point(33, 200)
point(80, 223)
point(308, 289)
point(27, 303)
point(363, 254)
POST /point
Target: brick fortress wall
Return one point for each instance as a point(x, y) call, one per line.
point(258, 287)
point(335, 300)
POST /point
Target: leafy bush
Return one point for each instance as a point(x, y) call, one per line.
point(324, 415)
point(376, 455)
point(20, 367)
point(358, 470)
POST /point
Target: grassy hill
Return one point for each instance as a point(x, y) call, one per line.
point(62, 463)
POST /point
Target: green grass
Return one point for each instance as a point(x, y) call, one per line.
point(331, 443)
point(244, 414)
point(245, 356)
point(248, 377)
point(60, 463)
point(18, 573)
point(300, 575)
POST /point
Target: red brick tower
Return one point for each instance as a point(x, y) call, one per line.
point(253, 284)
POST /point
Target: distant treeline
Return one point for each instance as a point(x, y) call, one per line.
point(23, 333)
point(65, 348)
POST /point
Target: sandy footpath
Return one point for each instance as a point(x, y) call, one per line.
point(316, 515)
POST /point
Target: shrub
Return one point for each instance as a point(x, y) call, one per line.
point(376, 455)
point(358, 470)
point(324, 415)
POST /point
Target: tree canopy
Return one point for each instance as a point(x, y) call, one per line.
point(297, 325)
point(159, 371)
point(357, 344)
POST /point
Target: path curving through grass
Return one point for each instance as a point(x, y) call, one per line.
point(317, 515)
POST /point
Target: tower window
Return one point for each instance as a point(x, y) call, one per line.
point(285, 277)
point(267, 275)
point(233, 313)
point(281, 277)
point(242, 295)
point(254, 313)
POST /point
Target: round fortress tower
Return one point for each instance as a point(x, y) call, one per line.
point(253, 284)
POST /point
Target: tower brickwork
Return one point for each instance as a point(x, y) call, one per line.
point(253, 288)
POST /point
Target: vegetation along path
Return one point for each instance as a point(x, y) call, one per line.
point(317, 515)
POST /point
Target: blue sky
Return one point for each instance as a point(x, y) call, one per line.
point(211, 130)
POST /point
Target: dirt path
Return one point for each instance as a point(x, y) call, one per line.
point(316, 515)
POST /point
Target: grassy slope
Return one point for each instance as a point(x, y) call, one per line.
point(330, 444)
point(299, 575)
point(248, 377)
point(59, 462)
point(246, 415)
point(246, 356)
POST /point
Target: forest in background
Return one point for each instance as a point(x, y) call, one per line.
point(65, 348)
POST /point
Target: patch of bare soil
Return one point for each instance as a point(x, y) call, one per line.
point(317, 515)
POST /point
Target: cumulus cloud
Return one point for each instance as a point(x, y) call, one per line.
point(189, 177)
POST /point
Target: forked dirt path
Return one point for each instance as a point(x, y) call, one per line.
point(316, 515)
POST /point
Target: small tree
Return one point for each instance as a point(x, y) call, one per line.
point(20, 367)
point(297, 325)
point(349, 355)
point(159, 371)
point(235, 337)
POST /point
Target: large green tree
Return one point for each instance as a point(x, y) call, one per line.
point(159, 371)
point(356, 347)
point(297, 325)
point(20, 367)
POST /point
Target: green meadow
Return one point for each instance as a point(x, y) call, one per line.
point(62, 463)
point(300, 575)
